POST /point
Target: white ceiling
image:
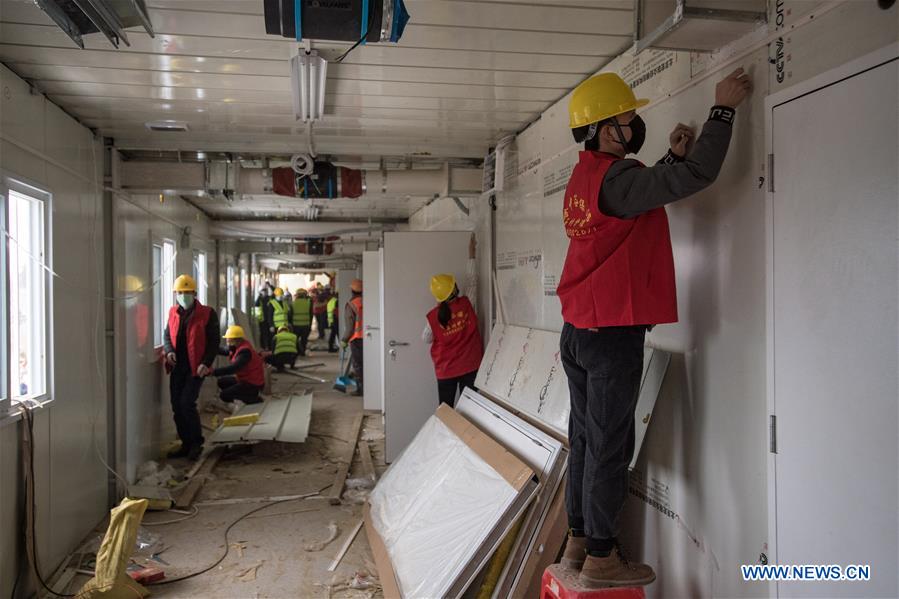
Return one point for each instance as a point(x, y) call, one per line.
point(464, 74)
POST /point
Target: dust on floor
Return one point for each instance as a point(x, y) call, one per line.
point(283, 550)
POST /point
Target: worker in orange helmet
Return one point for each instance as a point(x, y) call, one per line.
point(352, 336)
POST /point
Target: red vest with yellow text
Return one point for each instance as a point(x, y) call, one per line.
point(456, 349)
point(253, 373)
point(618, 272)
point(196, 332)
point(357, 330)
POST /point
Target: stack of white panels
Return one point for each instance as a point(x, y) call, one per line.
point(443, 507)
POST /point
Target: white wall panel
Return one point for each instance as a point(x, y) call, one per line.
point(53, 152)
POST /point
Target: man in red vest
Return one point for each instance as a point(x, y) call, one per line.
point(190, 342)
point(617, 282)
point(244, 378)
point(353, 334)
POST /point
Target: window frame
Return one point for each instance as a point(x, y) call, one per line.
point(244, 283)
point(10, 182)
point(156, 298)
point(229, 288)
point(201, 276)
point(163, 283)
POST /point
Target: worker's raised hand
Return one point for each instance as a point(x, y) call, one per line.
point(682, 140)
point(203, 370)
point(731, 90)
point(170, 358)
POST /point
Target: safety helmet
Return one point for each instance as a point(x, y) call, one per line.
point(185, 284)
point(356, 286)
point(442, 286)
point(601, 97)
point(234, 332)
point(278, 292)
point(283, 328)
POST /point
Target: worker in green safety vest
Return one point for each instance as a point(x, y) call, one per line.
point(302, 319)
point(277, 313)
point(285, 352)
point(332, 324)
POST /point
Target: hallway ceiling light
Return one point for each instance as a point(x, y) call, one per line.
point(308, 72)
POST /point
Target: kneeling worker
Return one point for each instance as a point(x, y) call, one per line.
point(285, 351)
point(244, 378)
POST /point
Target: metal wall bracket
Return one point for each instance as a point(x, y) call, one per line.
point(694, 25)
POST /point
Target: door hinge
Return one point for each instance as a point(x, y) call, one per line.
point(771, 173)
point(772, 433)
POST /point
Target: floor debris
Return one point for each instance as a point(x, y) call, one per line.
point(249, 574)
point(345, 547)
point(333, 531)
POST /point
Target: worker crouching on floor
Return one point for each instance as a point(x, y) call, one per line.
point(454, 335)
point(244, 377)
point(285, 352)
point(618, 281)
point(352, 337)
point(190, 342)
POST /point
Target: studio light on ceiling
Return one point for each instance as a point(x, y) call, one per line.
point(308, 72)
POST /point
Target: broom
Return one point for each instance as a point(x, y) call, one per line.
point(343, 381)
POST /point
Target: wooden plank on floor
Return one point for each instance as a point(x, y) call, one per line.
point(368, 467)
point(345, 461)
point(186, 497)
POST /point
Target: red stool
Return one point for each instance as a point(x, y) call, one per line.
point(561, 583)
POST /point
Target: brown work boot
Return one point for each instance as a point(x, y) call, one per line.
point(614, 571)
point(575, 553)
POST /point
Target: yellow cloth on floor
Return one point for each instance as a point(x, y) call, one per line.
point(110, 580)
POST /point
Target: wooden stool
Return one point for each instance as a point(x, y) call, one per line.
point(561, 583)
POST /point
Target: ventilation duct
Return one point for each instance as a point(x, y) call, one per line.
point(336, 20)
point(78, 18)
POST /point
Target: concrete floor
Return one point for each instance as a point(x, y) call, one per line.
point(275, 537)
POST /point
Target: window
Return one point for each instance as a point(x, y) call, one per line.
point(243, 289)
point(229, 287)
point(27, 309)
point(163, 281)
point(200, 276)
point(159, 317)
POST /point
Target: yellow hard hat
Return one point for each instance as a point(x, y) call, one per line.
point(278, 292)
point(234, 332)
point(185, 283)
point(356, 286)
point(442, 286)
point(601, 97)
point(281, 329)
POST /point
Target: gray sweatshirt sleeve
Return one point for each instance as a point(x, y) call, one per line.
point(629, 189)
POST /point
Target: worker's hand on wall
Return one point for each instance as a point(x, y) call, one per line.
point(731, 90)
point(682, 140)
point(203, 370)
point(170, 358)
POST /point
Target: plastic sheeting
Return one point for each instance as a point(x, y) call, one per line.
point(435, 507)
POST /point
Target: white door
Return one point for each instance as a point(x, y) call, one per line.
point(371, 343)
point(410, 386)
point(835, 224)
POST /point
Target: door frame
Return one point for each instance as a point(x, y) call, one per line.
point(810, 86)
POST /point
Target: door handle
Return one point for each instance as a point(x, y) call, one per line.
point(393, 343)
point(370, 328)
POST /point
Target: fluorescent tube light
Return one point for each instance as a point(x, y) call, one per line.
point(308, 74)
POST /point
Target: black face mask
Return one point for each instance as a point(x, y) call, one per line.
point(638, 134)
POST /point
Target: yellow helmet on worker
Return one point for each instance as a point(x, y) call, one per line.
point(185, 284)
point(278, 292)
point(356, 286)
point(442, 286)
point(599, 98)
point(234, 332)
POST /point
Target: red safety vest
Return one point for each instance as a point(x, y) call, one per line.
point(196, 332)
point(253, 373)
point(456, 349)
point(617, 272)
point(357, 330)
